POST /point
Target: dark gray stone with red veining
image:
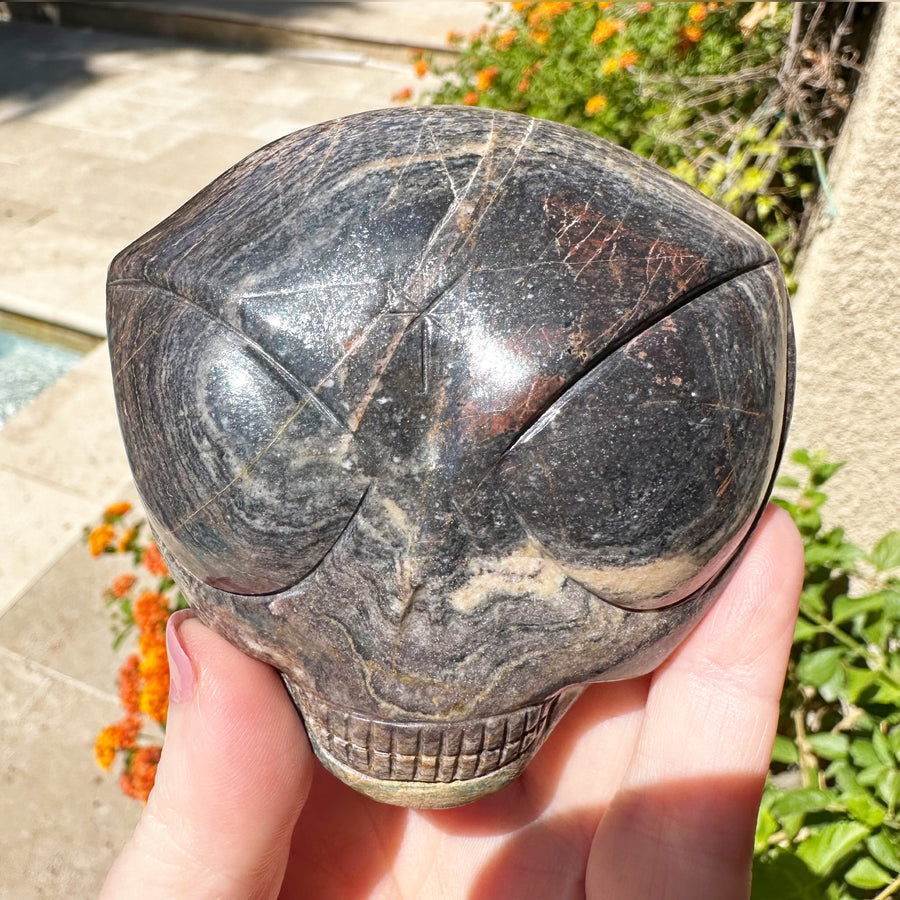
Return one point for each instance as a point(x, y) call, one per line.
point(445, 412)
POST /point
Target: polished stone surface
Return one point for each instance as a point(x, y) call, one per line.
point(445, 412)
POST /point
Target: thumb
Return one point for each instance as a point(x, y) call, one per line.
point(233, 777)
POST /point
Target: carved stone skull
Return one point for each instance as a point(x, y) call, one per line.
point(445, 413)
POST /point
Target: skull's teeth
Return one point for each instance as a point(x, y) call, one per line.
point(429, 752)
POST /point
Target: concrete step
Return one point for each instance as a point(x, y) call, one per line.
point(389, 31)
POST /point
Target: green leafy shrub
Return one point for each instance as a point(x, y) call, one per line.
point(828, 824)
point(734, 98)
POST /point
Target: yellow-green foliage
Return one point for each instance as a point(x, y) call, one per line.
point(694, 87)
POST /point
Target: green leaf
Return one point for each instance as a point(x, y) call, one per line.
point(786, 481)
point(780, 875)
point(863, 754)
point(803, 800)
point(766, 826)
point(804, 630)
point(824, 849)
point(785, 751)
point(888, 788)
point(820, 666)
point(864, 808)
point(849, 607)
point(882, 747)
point(885, 847)
point(867, 874)
point(886, 554)
point(829, 746)
point(858, 680)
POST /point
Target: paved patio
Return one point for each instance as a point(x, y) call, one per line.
point(101, 136)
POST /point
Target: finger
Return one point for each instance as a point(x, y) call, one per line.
point(232, 779)
point(683, 824)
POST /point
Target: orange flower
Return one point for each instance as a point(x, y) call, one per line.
point(402, 94)
point(118, 509)
point(125, 540)
point(154, 671)
point(643, 7)
point(545, 12)
point(121, 736)
point(523, 84)
point(485, 78)
point(137, 781)
point(506, 39)
point(629, 58)
point(521, 7)
point(122, 584)
point(604, 5)
point(153, 561)
point(470, 99)
point(693, 33)
point(697, 12)
point(596, 104)
point(151, 612)
point(610, 65)
point(604, 29)
point(130, 684)
point(420, 67)
point(540, 37)
point(100, 538)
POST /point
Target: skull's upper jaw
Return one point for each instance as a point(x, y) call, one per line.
point(428, 765)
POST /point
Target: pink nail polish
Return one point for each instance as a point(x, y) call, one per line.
point(181, 671)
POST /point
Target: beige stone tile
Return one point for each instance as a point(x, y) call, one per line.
point(112, 112)
point(38, 522)
point(20, 139)
point(62, 621)
point(193, 163)
point(62, 820)
point(68, 437)
point(226, 115)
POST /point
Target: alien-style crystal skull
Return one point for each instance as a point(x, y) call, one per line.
point(445, 413)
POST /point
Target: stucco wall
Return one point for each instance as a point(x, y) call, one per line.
point(848, 306)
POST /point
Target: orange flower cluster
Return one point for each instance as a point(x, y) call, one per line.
point(143, 691)
point(485, 78)
point(121, 736)
point(471, 98)
point(144, 675)
point(697, 12)
point(692, 33)
point(506, 39)
point(137, 780)
point(153, 561)
point(122, 584)
point(402, 95)
point(544, 13)
point(420, 67)
point(629, 58)
point(595, 104)
point(605, 29)
point(100, 538)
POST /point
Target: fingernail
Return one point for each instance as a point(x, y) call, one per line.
point(181, 671)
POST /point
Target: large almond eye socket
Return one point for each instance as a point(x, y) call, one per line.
point(247, 480)
point(642, 479)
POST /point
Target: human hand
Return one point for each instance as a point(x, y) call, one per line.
point(647, 788)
